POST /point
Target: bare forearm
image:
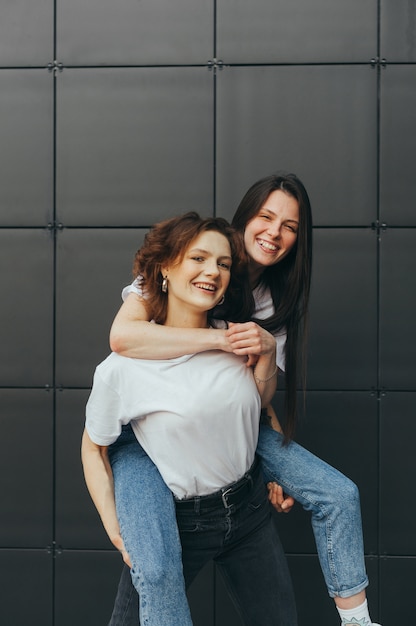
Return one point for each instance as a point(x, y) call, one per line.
point(274, 422)
point(265, 375)
point(145, 340)
point(133, 334)
point(99, 481)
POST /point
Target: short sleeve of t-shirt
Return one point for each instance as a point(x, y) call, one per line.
point(134, 287)
point(104, 412)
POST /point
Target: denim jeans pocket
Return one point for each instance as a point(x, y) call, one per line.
point(257, 499)
point(188, 525)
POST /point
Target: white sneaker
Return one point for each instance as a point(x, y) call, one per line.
point(358, 623)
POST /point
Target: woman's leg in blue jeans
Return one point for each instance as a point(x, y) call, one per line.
point(146, 514)
point(334, 503)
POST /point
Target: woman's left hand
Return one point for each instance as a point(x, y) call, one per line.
point(250, 339)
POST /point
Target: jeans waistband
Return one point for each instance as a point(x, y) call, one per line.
point(227, 496)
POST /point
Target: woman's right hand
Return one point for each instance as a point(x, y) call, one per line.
point(278, 499)
point(119, 544)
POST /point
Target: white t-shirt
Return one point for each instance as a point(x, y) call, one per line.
point(263, 309)
point(196, 416)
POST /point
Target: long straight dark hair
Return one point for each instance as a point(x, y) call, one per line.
point(288, 281)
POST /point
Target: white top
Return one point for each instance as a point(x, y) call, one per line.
point(263, 309)
point(196, 416)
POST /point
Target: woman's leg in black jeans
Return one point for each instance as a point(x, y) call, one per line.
point(243, 541)
point(126, 605)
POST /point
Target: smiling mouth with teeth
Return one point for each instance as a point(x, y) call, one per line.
point(205, 286)
point(266, 245)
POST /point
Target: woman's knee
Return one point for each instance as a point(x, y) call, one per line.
point(161, 574)
point(346, 496)
point(352, 494)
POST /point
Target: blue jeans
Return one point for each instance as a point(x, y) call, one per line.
point(241, 539)
point(146, 514)
point(334, 503)
point(332, 499)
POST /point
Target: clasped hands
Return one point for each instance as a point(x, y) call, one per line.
point(249, 339)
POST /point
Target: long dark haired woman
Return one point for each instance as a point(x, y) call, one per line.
point(274, 219)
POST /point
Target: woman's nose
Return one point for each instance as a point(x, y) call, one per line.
point(274, 229)
point(211, 268)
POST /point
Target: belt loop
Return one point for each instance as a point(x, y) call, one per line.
point(224, 498)
point(197, 504)
point(249, 477)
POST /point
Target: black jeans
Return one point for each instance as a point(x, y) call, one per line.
point(238, 533)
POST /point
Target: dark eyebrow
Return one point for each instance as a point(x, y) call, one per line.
point(266, 210)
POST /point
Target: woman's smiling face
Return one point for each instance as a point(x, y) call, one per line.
point(272, 233)
point(197, 283)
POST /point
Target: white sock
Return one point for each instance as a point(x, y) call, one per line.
point(358, 616)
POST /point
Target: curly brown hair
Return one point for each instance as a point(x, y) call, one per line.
point(167, 242)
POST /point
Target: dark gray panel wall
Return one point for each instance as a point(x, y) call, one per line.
point(26, 33)
point(26, 329)
point(121, 160)
point(397, 311)
point(343, 355)
point(26, 137)
point(84, 585)
point(397, 156)
point(115, 115)
point(397, 576)
point(398, 31)
point(26, 477)
point(92, 267)
point(32, 604)
point(323, 31)
point(318, 121)
point(149, 32)
point(398, 428)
